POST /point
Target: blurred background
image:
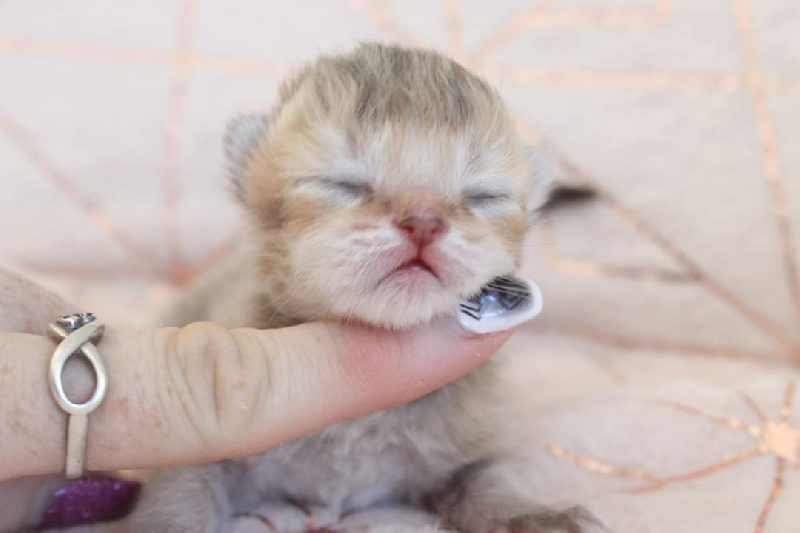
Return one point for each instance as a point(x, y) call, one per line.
point(684, 114)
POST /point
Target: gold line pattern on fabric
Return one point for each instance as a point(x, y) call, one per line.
point(380, 11)
point(174, 123)
point(675, 347)
point(733, 423)
point(67, 187)
point(766, 133)
point(777, 486)
point(776, 438)
point(540, 15)
point(589, 268)
point(648, 231)
point(757, 410)
point(601, 467)
point(452, 11)
point(638, 223)
point(723, 463)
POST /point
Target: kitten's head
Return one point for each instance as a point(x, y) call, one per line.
point(385, 185)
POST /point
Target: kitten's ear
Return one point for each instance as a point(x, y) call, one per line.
point(242, 135)
point(552, 182)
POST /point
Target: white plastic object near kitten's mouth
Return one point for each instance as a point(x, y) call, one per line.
point(503, 303)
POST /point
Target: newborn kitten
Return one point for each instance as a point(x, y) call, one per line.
point(385, 185)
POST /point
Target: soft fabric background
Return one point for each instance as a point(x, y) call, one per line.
point(657, 386)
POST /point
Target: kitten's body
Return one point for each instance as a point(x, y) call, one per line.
point(326, 249)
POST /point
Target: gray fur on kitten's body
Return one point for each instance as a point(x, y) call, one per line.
point(440, 453)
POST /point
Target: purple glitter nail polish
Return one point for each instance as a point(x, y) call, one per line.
point(89, 500)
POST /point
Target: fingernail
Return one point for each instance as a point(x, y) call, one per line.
point(501, 304)
point(90, 500)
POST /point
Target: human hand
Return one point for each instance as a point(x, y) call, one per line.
point(200, 393)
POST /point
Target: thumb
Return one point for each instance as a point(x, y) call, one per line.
point(203, 392)
point(314, 375)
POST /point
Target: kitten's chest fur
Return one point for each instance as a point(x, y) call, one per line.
point(397, 455)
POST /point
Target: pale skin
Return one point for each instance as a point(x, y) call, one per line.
point(200, 393)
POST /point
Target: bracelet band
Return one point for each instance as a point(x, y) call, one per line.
point(77, 334)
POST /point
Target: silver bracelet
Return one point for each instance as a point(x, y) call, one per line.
point(77, 334)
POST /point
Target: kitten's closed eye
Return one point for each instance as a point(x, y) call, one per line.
point(485, 198)
point(345, 192)
point(353, 188)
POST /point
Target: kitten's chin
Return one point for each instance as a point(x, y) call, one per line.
point(401, 303)
point(402, 318)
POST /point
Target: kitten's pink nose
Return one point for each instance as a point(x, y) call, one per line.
point(422, 230)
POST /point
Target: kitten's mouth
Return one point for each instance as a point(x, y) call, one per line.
point(410, 270)
point(417, 264)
